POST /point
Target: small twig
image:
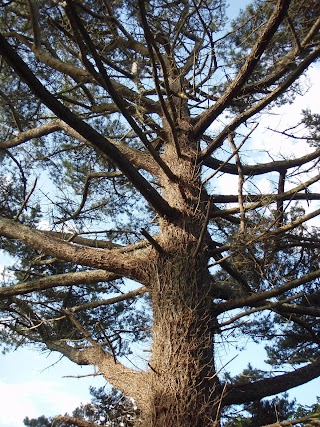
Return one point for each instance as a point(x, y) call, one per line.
point(152, 369)
point(152, 241)
point(95, 374)
point(204, 229)
point(108, 341)
point(26, 199)
point(240, 183)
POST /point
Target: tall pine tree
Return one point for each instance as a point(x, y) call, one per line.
point(118, 121)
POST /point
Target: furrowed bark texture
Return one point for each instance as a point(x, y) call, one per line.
point(182, 390)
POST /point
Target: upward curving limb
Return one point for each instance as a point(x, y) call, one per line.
point(129, 381)
point(206, 118)
point(260, 105)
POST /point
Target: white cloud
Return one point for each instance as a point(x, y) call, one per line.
point(33, 399)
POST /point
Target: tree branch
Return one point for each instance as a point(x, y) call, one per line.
point(271, 198)
point(111, 260)
point(96, 139)
point(270, 386)
point(253, 299)
point(131, 383)
point(205, 119)
point(123, 297)
point(259, 169)
point(256, 108)
point(68, 279)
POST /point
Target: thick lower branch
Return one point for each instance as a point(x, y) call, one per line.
point(131, 383)
point(68, 279)
point(111, 260)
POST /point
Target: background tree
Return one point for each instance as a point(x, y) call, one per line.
point(110, 171)
point(113, 409)
point(109, 408)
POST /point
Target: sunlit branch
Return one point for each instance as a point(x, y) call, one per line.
point(267, 305)
point(122, 264)
point(123, 297)
point(296, 223)
point(68, 279)
point(259, 169)
point(252, 300)
point(38, 132)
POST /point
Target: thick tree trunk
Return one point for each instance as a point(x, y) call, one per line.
point(183, 387)
point(183, 384)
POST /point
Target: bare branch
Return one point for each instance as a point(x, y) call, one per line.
point(123, 297)
point(270, 386)
point(259, 169)
point(122, 264)
point(49, 282)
